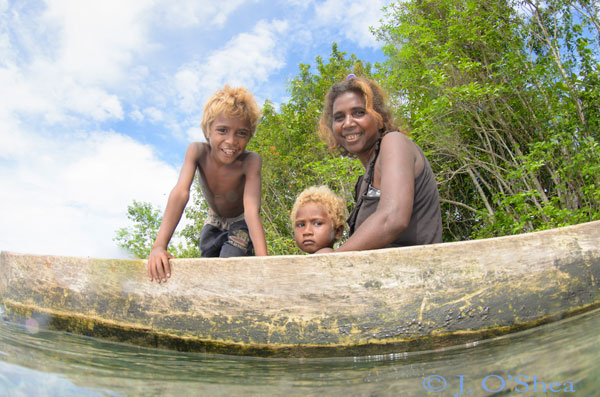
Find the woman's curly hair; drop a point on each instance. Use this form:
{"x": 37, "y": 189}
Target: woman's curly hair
{"x": 375, "y": 104}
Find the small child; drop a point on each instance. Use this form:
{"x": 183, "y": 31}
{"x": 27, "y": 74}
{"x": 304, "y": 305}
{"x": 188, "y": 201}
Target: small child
{"x": 318, "y": 219}
{"x": 230, "y": 178}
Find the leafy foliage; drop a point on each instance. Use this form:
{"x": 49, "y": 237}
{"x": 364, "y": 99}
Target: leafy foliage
{"x": 502, "y": 95}
{"x": 139, "y": 238}
{"x": 293, "y": 157}
{"x": 504, "y": 98}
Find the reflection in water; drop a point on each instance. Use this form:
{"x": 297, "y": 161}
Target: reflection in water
{"x": 563, "y": 356}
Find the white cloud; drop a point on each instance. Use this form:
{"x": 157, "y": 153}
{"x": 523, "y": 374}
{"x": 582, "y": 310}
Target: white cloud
{"x": 155, "y": 115}
{"x": 301, "y": 4}
{"x": 72, "y": 69}
{"x": 187, "y": 85}
{"x": 97, "y": 40}
{"x": 186, "y": 13}
{"x": 93, "y": 102}
{"x": 12, "y": 142}
{"x": 44, "y": 91}
{"x": 69, "y": 195}
{"x": 353, "y": 18}
{"x": 5, "y": 48}
{"x": 61, "y": 63}
{"x": 248, "y": 59}
{"x": 136, "y": 114}
{"x": 21, "y": 97}
{"x": 195, "y": 134}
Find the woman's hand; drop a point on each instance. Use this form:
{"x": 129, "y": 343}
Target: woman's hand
{"x": 325, "y": 250}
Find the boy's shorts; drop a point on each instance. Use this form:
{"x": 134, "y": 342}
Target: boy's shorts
{"x": 225, "y": 237}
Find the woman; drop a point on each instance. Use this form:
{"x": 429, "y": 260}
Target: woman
{"x": 396, "y": 200}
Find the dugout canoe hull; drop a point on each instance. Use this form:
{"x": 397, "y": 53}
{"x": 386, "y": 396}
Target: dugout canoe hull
{"x": 371, "y": 302}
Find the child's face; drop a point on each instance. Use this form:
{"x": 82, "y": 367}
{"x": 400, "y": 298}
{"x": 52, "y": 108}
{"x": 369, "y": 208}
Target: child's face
{"x": 313, "y": 228}
{"x": 228, "y": 138}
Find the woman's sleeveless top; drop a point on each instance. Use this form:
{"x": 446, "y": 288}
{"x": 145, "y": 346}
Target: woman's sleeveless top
{"x": 425, "y": 225}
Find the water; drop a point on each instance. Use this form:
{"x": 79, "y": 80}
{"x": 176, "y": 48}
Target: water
{"x": 43, "y": 363}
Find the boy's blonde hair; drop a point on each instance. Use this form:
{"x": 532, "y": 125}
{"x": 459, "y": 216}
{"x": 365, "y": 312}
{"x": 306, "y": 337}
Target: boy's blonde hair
{"x": 334, "y": 205}
{"x": 231, "y": 102}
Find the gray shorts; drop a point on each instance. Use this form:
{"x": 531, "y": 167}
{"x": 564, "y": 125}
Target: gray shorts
{"x": 225, "y": 237}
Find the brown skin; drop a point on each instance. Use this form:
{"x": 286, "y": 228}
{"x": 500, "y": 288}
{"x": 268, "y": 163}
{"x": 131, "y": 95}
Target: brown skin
{"x": 313, "y": 229}
{"x": 230, "y": 179}
{"x": 397, "y": 165}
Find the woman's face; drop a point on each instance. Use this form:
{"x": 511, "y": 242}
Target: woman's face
{"x": 353, "y": 127}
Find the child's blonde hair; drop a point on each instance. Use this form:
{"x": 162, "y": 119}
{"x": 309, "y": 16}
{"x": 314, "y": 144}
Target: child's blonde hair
{"x": 334, "y": 205}
{"x": 231, "y": 102}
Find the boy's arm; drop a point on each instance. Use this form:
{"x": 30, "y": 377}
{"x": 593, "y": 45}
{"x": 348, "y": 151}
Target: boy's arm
{"x": 252, "y": 196}
{"x": 158, "y": 261}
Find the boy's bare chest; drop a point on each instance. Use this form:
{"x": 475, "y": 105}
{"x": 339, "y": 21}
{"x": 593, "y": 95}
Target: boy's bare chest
{"x": 225, "y": 183}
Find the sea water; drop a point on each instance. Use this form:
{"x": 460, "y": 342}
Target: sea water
{"x": 558, "y": 359}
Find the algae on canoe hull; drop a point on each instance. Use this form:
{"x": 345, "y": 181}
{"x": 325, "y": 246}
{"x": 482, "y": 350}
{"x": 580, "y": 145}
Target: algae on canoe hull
{"x": 370, "y": 302}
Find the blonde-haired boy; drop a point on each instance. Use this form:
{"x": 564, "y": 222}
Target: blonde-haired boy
{"x": 230, "y": 179}
{"x": 318, "y": 218}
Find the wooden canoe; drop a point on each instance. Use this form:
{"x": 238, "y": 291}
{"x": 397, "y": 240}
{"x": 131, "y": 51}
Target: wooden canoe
{"x": 370, "y": 302}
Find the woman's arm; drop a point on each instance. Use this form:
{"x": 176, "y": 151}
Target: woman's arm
{"x": 395, "y": 172}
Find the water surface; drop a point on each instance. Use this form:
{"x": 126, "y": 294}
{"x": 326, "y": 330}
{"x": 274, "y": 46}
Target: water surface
{"x": 561, "y": 358}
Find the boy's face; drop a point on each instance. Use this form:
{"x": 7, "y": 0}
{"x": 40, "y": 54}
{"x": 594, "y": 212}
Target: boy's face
{"x": 228, "y": 138}
{"x": 313, "y": 228}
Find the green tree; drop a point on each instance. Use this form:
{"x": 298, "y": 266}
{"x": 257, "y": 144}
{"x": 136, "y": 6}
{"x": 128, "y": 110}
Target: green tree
{"x": 293, "y": 157}
{"x": 139, "y": 238}
{"x": 503, "y": 96}
{"x": 504, "y": 99}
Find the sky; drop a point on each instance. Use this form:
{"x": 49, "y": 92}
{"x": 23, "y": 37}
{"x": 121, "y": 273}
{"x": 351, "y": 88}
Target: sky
{"x": 99, "y": 99}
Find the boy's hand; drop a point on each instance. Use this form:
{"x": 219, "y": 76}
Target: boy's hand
{"x": 158, "y": 265}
